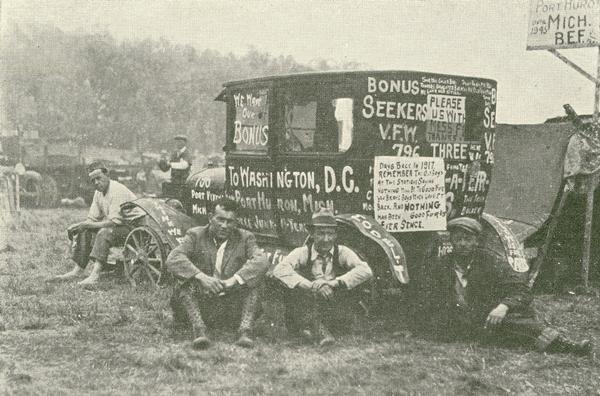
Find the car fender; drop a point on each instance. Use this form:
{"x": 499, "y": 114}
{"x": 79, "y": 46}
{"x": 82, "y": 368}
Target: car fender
{"x": 510, "y": 246}
{"x": 31, "y": 175}
{"x": 368, "y": 227}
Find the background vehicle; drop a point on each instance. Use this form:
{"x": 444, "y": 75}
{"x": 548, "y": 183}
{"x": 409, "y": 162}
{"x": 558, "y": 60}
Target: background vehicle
{"x": 56, "y": 169}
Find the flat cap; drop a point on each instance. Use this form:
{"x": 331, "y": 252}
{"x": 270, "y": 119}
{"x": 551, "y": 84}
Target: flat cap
{"x": 466, "y": 223}
{"x": 181, "y": 137}
{"x": 323, "y": 218}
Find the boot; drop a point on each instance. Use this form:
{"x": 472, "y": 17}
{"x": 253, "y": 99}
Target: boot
{"x": 74, "y": 273}
{"x": 565, "y": 345}
{"x": 92, "y": 279}
{"x": 247, "y": 319}
{"x": 552, "y": 341}
{"x": 190, "y": 306}
{"x": 244, "y": 339}
{"x": 323, "y": 334}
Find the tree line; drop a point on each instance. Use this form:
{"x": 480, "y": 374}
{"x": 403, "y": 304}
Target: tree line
{"x": 94, "y": 90}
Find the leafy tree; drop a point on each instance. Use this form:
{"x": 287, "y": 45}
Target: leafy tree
{"x": 137, "y": 95}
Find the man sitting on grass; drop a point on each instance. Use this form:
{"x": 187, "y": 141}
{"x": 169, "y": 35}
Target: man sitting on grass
{"x": 219, "y": 269}
{"x": 320, "y": 278}
{"x": 103, "y": 228}
{"x": 473, "y": 293}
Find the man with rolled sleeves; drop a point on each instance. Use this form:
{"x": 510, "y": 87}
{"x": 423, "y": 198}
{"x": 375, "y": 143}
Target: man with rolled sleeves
{"x": 104, "y": 227}
{"x": 476, "y": 294}
{"x": 321, "y": 279}
{"x": 219, "y": 269}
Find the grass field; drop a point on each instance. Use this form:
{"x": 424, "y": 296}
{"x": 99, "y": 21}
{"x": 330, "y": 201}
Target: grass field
{"x": 61, "y": 339}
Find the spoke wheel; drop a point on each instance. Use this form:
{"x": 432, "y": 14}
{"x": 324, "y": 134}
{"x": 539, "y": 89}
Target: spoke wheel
{"x": 31, "y": 193}
{"x": 50, "y": 193}
{"x": 144, "y": 257}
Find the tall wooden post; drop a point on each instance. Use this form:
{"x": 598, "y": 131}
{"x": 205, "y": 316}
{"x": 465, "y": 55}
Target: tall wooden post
{"x": 592, "y": 182}
{"x": 587, "y": 238}
{"x": 5, "y": 211}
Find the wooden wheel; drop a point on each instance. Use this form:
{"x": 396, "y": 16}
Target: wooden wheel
{"x": 144, "y": 257}
{"x": 31, "y": 193}
{"x": 49, "y": 192}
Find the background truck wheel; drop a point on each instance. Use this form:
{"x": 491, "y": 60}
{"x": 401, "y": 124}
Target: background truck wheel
{"x": 50, "y": 196}
{"x": 31, "y": 192}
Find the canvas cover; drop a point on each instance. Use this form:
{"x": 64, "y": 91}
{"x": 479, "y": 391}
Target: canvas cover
{"x": 583, "y": 152}
{"x": 527, "y": 174}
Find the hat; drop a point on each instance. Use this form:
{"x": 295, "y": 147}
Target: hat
{"x": 466, "y": 223}
{"x": 323, "y": 218}
{"x": 96, "y": 165}
{"x": 181, "y": 137}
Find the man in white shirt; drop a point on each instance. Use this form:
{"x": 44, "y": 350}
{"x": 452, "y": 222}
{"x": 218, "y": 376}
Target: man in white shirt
{"x": 321, "y": 278}
{"x": 219, "y": 268}
{"x": 104, "y": 227}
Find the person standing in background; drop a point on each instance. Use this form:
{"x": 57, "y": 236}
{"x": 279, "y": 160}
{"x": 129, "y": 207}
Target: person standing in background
{"x": 181, "y": 161}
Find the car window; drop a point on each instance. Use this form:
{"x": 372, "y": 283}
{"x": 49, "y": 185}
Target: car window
{"x": 316, "y": 124}
{"x": 345, "y": 123}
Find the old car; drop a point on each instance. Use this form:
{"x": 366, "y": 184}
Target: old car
{"x": 393, "y": 153}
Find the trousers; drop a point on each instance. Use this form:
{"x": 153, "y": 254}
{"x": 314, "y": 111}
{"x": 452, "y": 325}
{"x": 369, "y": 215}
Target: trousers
{"x": 303, "y": 307}
{"x": 516, "y": 328}
{"x": 95, "y": 244}
{"x": 235, "y": 309}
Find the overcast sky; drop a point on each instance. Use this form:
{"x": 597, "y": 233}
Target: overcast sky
{"x": 481, "y": 38}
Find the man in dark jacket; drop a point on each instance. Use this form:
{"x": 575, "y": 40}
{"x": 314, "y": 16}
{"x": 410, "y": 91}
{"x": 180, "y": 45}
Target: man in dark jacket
{"x": 219, "y": 268}
{"x": 181, "y": 161}
{"x": 474, "y": 293}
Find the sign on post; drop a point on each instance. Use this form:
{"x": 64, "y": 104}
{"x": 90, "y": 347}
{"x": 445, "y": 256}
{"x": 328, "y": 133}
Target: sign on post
{"x": 409, "y": 193}
{"x": 555, "y": 24}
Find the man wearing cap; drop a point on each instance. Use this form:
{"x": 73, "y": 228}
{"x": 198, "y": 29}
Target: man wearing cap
{"x": 181, "y": 161}
{"x": 103, "y": 228}
{"x": 219, "y": 269}
{"x": 320, "y": 279}
{"x": 475, "y": 293}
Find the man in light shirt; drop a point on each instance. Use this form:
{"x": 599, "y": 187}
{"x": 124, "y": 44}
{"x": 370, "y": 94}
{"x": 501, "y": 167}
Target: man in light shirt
{"x": 321, "y": 278}
{"x": 219, "y": 269}
{"x": 104, "y": 227}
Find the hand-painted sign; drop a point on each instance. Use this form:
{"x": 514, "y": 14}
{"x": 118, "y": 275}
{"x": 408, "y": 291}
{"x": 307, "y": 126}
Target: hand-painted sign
{"x": 557, "y": 24}
{"x": 251, "y": 124}
{"x": 409, "y": 193}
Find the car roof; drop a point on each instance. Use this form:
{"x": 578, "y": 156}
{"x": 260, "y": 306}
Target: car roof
{"x": 332, "y": 75}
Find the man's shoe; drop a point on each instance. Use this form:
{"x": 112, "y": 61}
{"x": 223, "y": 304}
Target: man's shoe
{"x": 327, "y": 341}
{"x": 200, "y": 341}
{"x": 245, "y": 341}
{"x": 325, "y": 337}
{"x": 306, "y": 335}
{"x": 583, "y": 348}
{"x": 565, "y": 345}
